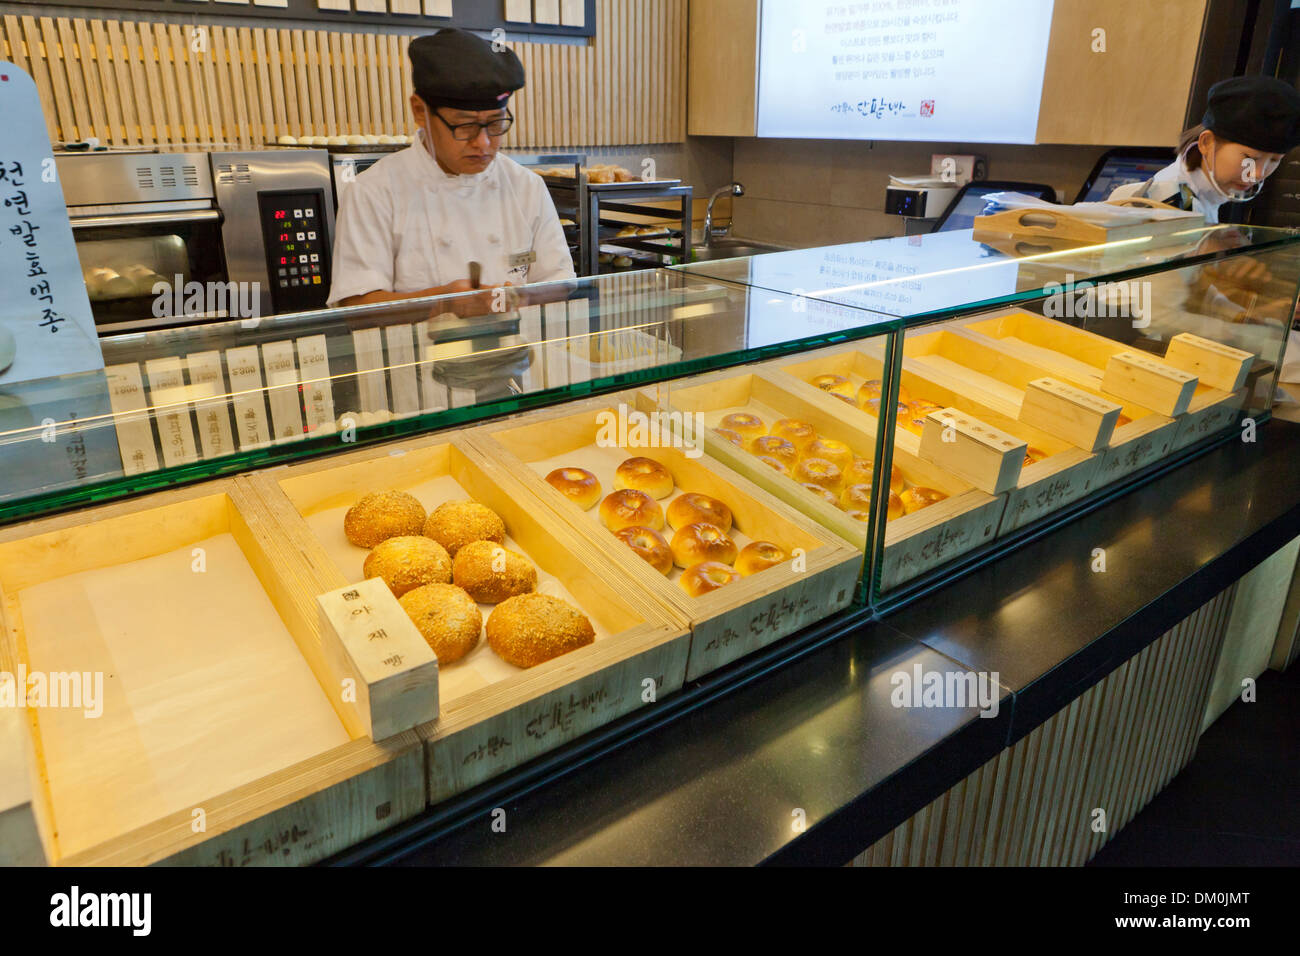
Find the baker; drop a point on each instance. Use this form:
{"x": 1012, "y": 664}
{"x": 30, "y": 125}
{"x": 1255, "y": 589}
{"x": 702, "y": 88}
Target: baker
{"x": 448, "y": 214}
{"x": 1250, "y": 123}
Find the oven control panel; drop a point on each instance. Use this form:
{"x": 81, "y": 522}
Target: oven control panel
{"x": 297, "y": 249}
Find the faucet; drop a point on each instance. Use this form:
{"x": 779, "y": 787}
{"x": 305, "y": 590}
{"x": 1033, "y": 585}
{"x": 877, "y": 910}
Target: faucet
{"x": 731, "y": 189}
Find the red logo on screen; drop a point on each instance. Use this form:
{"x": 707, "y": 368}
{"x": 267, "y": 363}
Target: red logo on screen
{"x": 927, "y": 107}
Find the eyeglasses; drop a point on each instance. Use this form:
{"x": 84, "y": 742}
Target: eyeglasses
{"x": 465, "y": 132}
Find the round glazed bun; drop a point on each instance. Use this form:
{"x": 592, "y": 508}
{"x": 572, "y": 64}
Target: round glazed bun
{"x": 407, "y": 563}
{"x": 648, "y": 545}
{"x": 828, "y": 449}
{"x": 729, "y": 436}
{"x": 772, "y": 463}
{"x": 534, "y": 628}
{"x": 644, "y": 474}
{"x": 456, "y": 523}
{"x": 759, "y": 556}
{"x": 875, "y": 389}
{"x": 914, "y": 499}
{"x": 490, "y": 573}
{"x": 692, "y": 508}
{"x": 858, "y": 498}
{"x": 835, "y": 384}
{"x": 773, "y": 446}
{"x": 577, "y": 484}
{"x": 872, "y": 407}
{"x": 382, "y": 515}
{"x": 746, "y": 426}
{"x": 825, "y": 494}
{"x": 914, "y": 420}
{"x": 861, "y": 471}
{"x": 800, "y": 434}
{"x": 630, "y": 508}
{"x": 446, "y": 617}
{"x": 818, "y": 471}
{"x": 701, "y": 542}
{"x": 1033, "y": 455}
{"x": 706, "y": 577}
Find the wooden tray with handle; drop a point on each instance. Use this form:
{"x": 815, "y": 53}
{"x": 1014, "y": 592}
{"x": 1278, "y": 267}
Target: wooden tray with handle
{"x": 1061, "y": 224}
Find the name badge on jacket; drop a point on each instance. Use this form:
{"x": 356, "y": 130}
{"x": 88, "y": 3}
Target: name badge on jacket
{"x": 521, "y": 260}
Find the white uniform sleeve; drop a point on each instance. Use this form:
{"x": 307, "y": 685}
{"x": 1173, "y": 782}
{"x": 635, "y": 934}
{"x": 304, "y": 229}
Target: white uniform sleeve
{"x": 554, "y": 261}
{"x": 363, "y": 244}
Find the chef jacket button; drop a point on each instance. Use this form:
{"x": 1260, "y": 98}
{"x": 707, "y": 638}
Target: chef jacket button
{"x": 494, "y": 239}
{"x": 444, "y": 241}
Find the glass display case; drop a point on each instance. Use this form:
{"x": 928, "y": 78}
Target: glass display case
{"x": 681, "y": 461}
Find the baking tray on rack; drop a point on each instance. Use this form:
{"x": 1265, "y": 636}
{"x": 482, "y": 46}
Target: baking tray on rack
{"x": 357, "y": 148}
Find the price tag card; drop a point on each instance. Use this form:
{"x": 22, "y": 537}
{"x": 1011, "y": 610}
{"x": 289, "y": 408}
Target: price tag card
{"x": 434, "y": 396}
{"x": 211, "y": 403}
{"x": 555, "y": 318}
{"x": 368, "y": 347}
{"x": 282, "y": 390}
{"x": 317, "y": 388}
{"x": 244, "y": 367}
{"x": 130, "y": 418}
{"x": 401, "y": 370}
{"x": 167, "y": 395}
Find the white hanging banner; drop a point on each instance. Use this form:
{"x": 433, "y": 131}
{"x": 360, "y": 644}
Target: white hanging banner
{"x": 401, "y": 370}
{"x": 247, "y": 397}
{"x": 282, "y": 390}
{"x": 317, "y": 389}
{"x": 46, "y": 326}
{"x": 208, "y": 385}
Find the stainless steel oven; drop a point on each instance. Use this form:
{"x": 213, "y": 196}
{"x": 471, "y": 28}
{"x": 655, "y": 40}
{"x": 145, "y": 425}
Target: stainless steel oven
{"x": 178, "y": 238}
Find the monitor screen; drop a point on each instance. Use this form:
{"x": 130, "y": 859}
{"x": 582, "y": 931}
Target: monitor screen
{"x": 1120, "y": 171}
{"x": 963, "y": 71}
{"x": 970, "y": 202}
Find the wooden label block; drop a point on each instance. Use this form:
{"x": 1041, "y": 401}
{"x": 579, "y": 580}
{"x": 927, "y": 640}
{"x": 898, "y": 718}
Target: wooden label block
{"x": 371, "y": 642}
{"x": 546, "y": 11}
{"x": 977, "y": 453}
{"x": 130, "y": 419}
{"x": 519, "y": 11}
{"x": 573, "y": 13}
{"x": 437, "y": 8}
{"x": 1084, "y": 420}
{"x": 1145, "y": 380}
{"x": 1215, "y": 364}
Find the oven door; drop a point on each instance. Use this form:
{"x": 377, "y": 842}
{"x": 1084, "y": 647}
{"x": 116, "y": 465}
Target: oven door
{"x": 149, "y": 266}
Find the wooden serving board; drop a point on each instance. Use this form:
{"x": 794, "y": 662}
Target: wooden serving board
{"x": 219, "y": 738}
{"x": 728, "y": 623}
{"x": 914, "y": 543}
{"x": 493, "y": 715}
{"x": 1060, "y": 224}
{"x": 1080, "y": 358}
{"x": 1063, "y": 476}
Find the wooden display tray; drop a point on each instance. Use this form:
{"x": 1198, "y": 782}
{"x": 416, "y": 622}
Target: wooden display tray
{"x": 494, "y": 716}
{"x": 1061, "y": 224}
{"x": 1080, "y": 357}
{"x": 914, "y": 543}
{"x": 1064, "y": 476}
{"x": 727, "y": 623}
{"x": 218, "y": 742}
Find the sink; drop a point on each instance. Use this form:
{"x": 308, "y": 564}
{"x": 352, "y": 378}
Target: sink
{"x": 732, "y": 249}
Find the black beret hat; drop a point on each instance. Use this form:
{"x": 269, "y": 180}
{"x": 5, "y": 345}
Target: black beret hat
{"x": 457, "y": 69}
{"x": 1261, "y": 112}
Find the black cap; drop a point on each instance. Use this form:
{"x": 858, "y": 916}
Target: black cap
{"x": 1260, "y": 112}
{"x": 457, "y": 69}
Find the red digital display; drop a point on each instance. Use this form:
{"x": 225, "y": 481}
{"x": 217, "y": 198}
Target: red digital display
{"x": 284, "y": 237}
{"x": 284, "y": 261}
{"x": 280, "y": 213}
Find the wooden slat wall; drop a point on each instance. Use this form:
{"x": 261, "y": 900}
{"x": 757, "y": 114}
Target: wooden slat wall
{"x": 136, "y": 82}
{"x": 1115, "y": 747}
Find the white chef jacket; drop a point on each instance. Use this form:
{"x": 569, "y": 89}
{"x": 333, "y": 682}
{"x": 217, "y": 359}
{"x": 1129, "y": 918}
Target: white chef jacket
{"x": 406, "y": 225}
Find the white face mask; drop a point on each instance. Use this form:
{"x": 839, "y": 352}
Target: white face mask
{"x": 1205, "y": 185}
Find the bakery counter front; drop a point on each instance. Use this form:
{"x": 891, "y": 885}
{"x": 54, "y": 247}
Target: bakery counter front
{"x": 468, "y": 540}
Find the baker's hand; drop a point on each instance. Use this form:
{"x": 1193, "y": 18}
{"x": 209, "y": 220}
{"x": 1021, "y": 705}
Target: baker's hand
{"x": 470, "y": 302}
